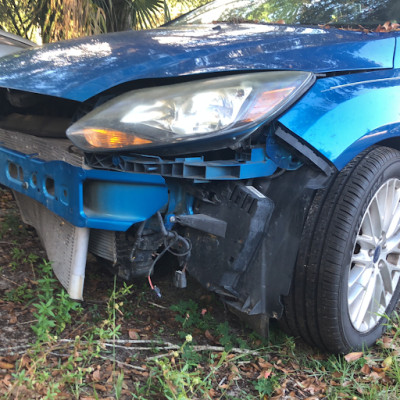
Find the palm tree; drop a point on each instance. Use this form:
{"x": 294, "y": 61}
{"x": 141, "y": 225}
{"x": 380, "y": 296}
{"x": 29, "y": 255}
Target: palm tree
{"x": 66, "y": 19}
{"x": 133, "y": 14}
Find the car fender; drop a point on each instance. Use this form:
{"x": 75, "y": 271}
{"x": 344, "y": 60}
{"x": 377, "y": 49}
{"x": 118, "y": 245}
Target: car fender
{"x": 343, "y": 115}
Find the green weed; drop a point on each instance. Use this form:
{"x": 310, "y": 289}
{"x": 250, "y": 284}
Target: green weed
{"x": 21, "y": 294}
{"x": 53, "y": 310}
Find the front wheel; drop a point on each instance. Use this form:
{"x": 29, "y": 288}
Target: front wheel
{"x": 347, "y": 274}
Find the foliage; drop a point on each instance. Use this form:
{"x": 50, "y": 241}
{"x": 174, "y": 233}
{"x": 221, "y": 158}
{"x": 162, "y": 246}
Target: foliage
{"x": 134, "y": 348}
{"x": 53, "y": 310}
{"x": 53, "y": 19}
{"x": 57, "y": 20}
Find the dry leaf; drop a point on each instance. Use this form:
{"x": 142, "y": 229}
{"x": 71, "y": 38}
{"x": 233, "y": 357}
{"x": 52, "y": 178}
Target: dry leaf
{"x": 5, "y": 365}
{"x": 96, "y": 375}
{"x": 264, "y": 364}
{"x": 353, "y": 356}
{"x": 133, "y": 334}
{"x": 375, "y": 375}
{"x": 102, "y": 388}
{"x": 209, "y": 336}
{"x": 264, "y": 374}
{"x": 387, "y": 342}
{"x": 366, "y": 370}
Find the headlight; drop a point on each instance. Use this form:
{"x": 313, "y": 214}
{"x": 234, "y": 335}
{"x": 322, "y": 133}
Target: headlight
{"x": 227, "y": 108}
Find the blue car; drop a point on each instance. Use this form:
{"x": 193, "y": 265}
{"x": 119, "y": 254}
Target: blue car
{"x": 258, "y": 141}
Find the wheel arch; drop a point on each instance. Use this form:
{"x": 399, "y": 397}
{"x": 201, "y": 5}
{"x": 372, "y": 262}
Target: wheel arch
{"x": 341, "y": 116}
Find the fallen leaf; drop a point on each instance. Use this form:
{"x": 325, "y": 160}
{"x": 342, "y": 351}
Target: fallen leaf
{"x": 7, "y": 380}
{"x": 235, "y": 369}
{"x": 265, "y": 364}
{"x": 209, "y": 336}
{"x": 353, "y": 356}
{"x": 133, "y": 334}
{"x": 96, "y": 375}
{"x": 337, "y": 374}
{"x": 264, "y": 374}
{"x": 366, "y": 370}
{"x": 375, "y": 375}
{"x": 102, "y": 388}
{"x": 5, "y": 365}
{"x": 387, "y": 362}
{"x": 387, "y": 342}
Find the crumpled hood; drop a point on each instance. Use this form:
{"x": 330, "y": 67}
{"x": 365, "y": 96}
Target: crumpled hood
{"x": 80, "y": 69}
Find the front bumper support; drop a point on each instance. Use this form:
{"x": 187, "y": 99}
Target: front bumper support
{"x": 84, "y": 197}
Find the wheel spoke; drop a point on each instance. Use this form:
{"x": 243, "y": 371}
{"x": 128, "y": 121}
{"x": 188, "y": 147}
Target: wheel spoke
{"x": 392, "y": 244}
{"x": 377, "y": 215}
{"x": 357, "y": 276}
{"x": 361, "y": 258}
{"x": 366, "y": 242}
{"x": 379, "y": 297}
{"x": 385, "y": 272}
{"x": 385, "y": 198}
{"x": 366, "y": 303}
{"x": 375, "y": 264}
{"x": 368, "y": 227}
{"x": 393, "y": 217}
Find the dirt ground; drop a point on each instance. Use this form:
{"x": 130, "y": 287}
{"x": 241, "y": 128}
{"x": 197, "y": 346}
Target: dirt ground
{"x": 145, "y": 316}
{"x": 184, "y": 345}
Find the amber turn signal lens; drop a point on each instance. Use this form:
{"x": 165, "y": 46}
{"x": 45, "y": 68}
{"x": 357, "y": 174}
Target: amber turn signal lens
{"x": 268, "y": 101}
{"x": 111, "y": 139}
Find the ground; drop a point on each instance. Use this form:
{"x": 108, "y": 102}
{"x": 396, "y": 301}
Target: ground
{"x": 124, "y": 342}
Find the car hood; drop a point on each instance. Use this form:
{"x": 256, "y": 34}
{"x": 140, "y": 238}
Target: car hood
{"x": 80, "y": 69}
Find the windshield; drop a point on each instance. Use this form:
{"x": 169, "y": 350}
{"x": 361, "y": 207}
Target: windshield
{"x": 367, "y": 13}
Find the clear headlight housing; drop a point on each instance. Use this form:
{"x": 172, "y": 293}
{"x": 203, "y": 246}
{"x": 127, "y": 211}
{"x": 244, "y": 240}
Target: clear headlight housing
{"x": 228, "y": 108}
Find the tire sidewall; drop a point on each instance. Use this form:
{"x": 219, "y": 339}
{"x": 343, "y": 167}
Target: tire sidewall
{"x": 354, "y": 338}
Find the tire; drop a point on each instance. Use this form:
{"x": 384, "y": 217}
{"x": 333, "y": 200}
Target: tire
{"x": 347, "y": 272}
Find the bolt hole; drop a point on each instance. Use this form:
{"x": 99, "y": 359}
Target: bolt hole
{"x": 50, "y": 187}
{"x": 13, "y": 170}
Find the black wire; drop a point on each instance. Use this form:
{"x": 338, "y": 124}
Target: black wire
{"x": 188, "y": 246}
{"x": 162, "y": 253}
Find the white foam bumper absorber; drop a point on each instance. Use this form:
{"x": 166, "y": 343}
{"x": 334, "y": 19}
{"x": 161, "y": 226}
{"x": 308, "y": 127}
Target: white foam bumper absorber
{"x": 66, "y": 245}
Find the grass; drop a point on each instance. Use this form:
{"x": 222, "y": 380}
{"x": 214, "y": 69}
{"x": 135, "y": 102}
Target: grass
{"x": 125, "y": 346}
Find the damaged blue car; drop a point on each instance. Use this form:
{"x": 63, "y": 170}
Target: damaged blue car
{"x": 258, "y": 141}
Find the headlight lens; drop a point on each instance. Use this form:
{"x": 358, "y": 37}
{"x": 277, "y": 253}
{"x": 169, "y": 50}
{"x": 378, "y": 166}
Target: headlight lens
{"x": 228, "y": 106}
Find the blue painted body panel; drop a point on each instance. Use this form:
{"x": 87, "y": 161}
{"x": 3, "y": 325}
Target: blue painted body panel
{"x": 341, "y": 116}
{"x": 80, "y": 69}
{"x": 396, "y": 63}
{"x": 86, "y": 198}
{"x": 257, "y": 165}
